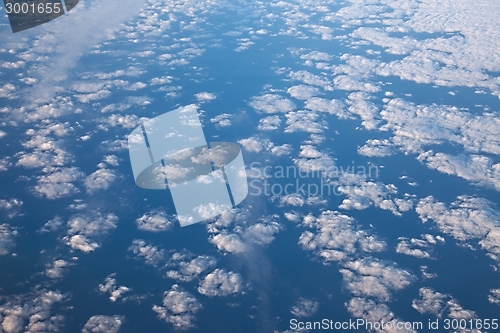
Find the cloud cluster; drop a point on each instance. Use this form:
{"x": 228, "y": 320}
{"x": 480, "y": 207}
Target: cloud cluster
{"x": 304, "y": 307}
{"x": 103, "y": 324}
{"x": 221, "y": 283}
{"x": 7, "y": 234}
{"x": 57, "y": 269}
{"x": 155, "y": 221}
{"x": 467, "y": 219}
{"x": 441, "y": 305}
{"x": 418, "y": 247}
{"x": 110, "y": 286}
{"x": 179, "y": 308}
{"x": 336, "y": 237}
{"x": 84, "y": 231}
{"x": 151, "y": 254}
{"x": 189, "y": 267}
{"x": 31, "y": 313}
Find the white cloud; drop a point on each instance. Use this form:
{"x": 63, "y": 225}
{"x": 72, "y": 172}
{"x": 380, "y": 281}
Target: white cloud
{"x": 221, "y": 283}
{"x": 179, "y": 308}
{"x": 57, "y": 269}
{"x": 304, "y": 307}
{"x": 152, "y": 255}
{"x": 303, "y": 92}
{"x": 373, "y": 312}
{"x": 7, "y": 234}
{"x": 466, "y": 219}
{"x": 377, "y": 148}
{"x": 254, "y": 144}
{"x": 222, "y": 120}
{"x": 110, "y": 286}
{"x": 270, "y": 123}
{"x": 103, "y": 324}
{"x": 441, "y": 305}
{"x": 100, "y": 179}
{"x": 154, "y": 221}
{"x": 271, "y": 103}
{"x": 371, "y": 277}
{"x": 337, "y": 237}
{"x": 494, "y": 296}
{"x": 58, "y": 182}
{"x": 31, "y": 312}
{"x": 83, "y": 229}
{"x": 229, "y": 243}
{"x": 205, "y": 96}
{"x": 334, "y": 107}
{"x": 189, "y": 268}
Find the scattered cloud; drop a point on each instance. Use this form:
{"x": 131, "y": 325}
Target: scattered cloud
{"x": 179, "y": 308}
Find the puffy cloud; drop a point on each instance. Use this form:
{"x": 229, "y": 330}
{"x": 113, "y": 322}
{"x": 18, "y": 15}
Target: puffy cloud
{"x": 334, "y": 107}
{"x": 377, "y": 148}
{"x": 254, "y": 144}
{"x": 151, "y": 254}
{"x": 31, "y": 312}
{"x": 229, "y": 243}
{"x": 361, "y": 194}
{"x": 205, "y": 96}
{"x": 371, "y": 277}
{"x": 7, "y": 234}
{"x": 304, "y": 121}
{"x": 466, "y": 219}
{"x": 179, "y": 308}
{"x": 222, "y": 120}
{"x": 188, "y": 266}
{"x": 376, "y": 313}
{"x": 154, "y": 221}
{"x": 110, "y": 286}
{"x": 83, "y": 229}
{"x": 221, "y": 283}
{"x": 417, "y": 247}
{"x": 304, "y": 307}
{"x": 270, "y": 123}
{"x": 57, "y": 269}
{"x": 100, "y": 179}
{"x": 311, "y": 79}
{"x": 10, "y": 207}
{"x": 494, "y": 296}
{"x": 337, "y": 237}
{"x": 441, "y": 305}
{"x": 303, "y": 92}
{"x": 58, "y": 182}
{"x": 103, "y": 324}
{"x": 271, "y": 103}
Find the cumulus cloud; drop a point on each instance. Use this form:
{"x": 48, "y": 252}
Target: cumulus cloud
{"x": 100, "y": 179}
{"x": 361, "y": 194}
{"x": 466, "y": 219}
{"x": 7, "y": 234}
{"x": 272, "y": 103}
{"x": 110, "y": 287}
{"x": 222, "y": 120}
{"x": 188, "y": 266}
{"x": 304, "y": 307}
{"x": 221, "y": 283}
{"x": 337, "y": 237}
{"x": 31, "y": 312}
{"x": 155, "y": 220}
{"x": 205, "y": 96}
{"x": 179, "y": 308}
{"x": 441, "y": 305}
{"x": 373, "y": 312}
{"x": 57, "y": 269}
{"x": 371, "y": 277}
{"x": 494, "y": 296}
{"x": 58, "y": 182}
{"x": 103, "y": 324}
{"x": 85, "y": 230}
{"x": 418, "y": 248}
{"x": 270, "y": 123}
{"x": 152, "y": 255}
{"x": 303, "y": 92}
